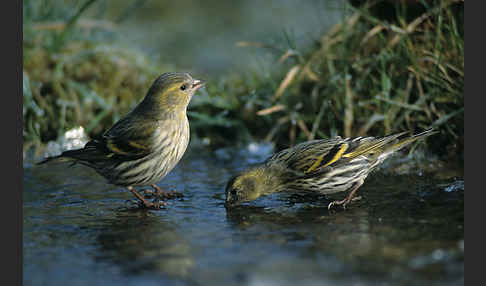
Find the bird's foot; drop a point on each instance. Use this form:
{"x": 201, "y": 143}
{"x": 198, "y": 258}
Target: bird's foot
{"x": 153, "y": 205}
{"x": 337, "y": 203}
{"x": 160, "y": 193}
{"x": 173, "y": 194}
{"x": 348, "y": 199}
{"x": 144, "y": 203}
{"x": 343, "y": 203}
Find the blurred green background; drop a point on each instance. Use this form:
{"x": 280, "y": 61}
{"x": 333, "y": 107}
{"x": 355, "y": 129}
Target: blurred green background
{"x": 201, "y": 36}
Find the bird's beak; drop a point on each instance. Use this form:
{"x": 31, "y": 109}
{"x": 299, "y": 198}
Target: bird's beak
{"x": 197, "y": 84}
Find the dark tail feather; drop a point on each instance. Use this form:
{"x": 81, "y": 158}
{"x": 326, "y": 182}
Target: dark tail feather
{"x": 92, "y": 154}
{"x": 58, "y": 159}
{"x": 404, "y": 142}
{"x": 74, "y": 156}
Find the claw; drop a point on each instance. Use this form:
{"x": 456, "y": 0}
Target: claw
{"x": 348, "y": 199}
{"x": 329, "y": 206}
{"x": 173, "y": 195}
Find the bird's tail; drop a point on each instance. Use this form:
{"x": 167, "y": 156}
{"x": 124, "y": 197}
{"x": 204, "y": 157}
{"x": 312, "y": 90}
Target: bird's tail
{"x": 397, "y": 145}
{"x": 72, "y": 156}
{"x": 92, "y": 154}
{"x": 59, "y": 158}
{"x": 382, "y": 147}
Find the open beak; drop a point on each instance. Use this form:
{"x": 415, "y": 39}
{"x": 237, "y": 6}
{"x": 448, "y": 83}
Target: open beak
{"x": 197, "y": 84}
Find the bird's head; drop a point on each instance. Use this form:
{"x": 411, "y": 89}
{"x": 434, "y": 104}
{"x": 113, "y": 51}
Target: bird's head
{"x": 172, "y": 91}
{"x": 247, "y": 186}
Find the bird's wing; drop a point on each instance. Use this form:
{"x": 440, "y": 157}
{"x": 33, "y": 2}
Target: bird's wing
{"x": 318, "y": 156}
{"x": 308, "y": 156}
{"x": 129, "y": 138}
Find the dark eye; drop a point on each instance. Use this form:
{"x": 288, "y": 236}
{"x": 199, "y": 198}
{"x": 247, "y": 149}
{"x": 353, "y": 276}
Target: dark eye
{"x": 233, "y": 192}
{"x": 183, "y": 87}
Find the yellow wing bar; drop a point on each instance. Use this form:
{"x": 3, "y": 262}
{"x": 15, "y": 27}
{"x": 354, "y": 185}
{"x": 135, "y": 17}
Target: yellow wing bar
{"x": 336, "y": 157}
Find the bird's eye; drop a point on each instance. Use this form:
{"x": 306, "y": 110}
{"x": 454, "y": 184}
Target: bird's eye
{"x": 183, "y": 87}
{"x": 233, "y": 192}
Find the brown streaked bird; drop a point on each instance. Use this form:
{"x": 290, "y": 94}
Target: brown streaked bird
{"x": 146, "y": 144}
{"x": 325, "y": 166}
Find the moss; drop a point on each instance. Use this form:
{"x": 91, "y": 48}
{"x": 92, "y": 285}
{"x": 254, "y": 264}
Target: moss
{"x": 84, "y": 84}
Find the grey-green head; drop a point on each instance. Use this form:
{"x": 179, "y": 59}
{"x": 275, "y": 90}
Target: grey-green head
{"x": 172, "y": 91}
{"x": 250, "y": 185}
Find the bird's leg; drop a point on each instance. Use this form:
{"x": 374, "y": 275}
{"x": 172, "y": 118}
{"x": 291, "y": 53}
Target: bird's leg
{"x": 348, "y": 198}
{"x": 143, "y": 201}
{"x": 166, "y": 195}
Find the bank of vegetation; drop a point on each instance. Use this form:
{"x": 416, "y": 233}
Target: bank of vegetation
{"x": 365, "y": 76}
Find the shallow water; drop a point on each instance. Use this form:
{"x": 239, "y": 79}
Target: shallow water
{"x": 405, "y": 230}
